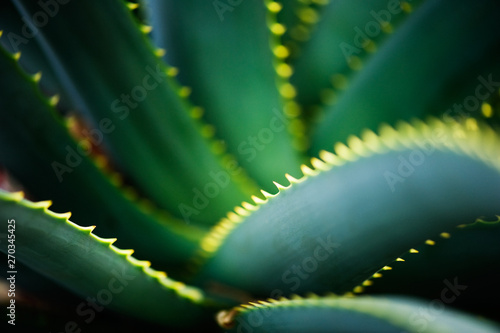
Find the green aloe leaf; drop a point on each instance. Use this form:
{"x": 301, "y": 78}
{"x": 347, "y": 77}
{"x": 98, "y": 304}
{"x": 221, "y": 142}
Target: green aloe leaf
{"x": 92, "y": 267}
{"x": 299, "y": 19}
{"x": 399, "y": 188}
{"x": 19, "y": 38}
{"x": 467, "y": 255}
{"x": 136, "y": 109}
{"x": 165, "y": 147}
{"x": 232, "y": 44}
{"x": 289, "y": 16}
{"x": 347, "y": 314}
{"x": 34, "y": 135}
{"x": 404, "y": 79}
{"x": 347, "y": 34}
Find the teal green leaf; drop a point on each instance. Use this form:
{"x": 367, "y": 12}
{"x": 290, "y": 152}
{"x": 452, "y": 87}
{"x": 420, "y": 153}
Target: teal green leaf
{"x": 299, "y": 19}
{"x": 467, "y": 254}
{"x": 346, "y": 36}
{"x": 33, "y": 134}
{"x": 358, "y": 211}
{"x": 347, "y": 314}
{"x": 92, "y": 267}
{"x": 19, "y": 38}
{"x": 233, "y": 46}
{"x": 137, "y": 109}
{"x": 371, "y": 126}
{"x": 431, "y": 63}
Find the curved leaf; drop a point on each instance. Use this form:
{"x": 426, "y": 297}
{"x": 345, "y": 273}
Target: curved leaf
{"x": 37, "y": 149}
{"x": 136, "y": 108}
{"x": 434, "y": 63}
{"x": 212, "y": 41}
{"x": 92, "y": 267}
{"x": 359, "y": 314}
{"x": 467, "y": 255}
{"x": 348, "y": 32}
{"x": 359, "y": 211}
{"x": 19, "y": 38}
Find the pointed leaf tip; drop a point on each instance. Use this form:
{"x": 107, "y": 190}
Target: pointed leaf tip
{"x": 140, "y": 263}
{"x": 330, "y": 158}
{"x": 146, "y": 29}
{"x": 248, "y": 206}
{"x": 344, "y": 152}
{"x": 64, "y": 216}
{"x": 54, "y": 100}
{"x": 258, "y": 200}
{"x": 132, "y": 6}
{"x": 279, "y": 186}
{"x": 319, "y": 164}
{"x": 37, "y": 77}
{"x": 43, "y": 204}
{"x": 307, "y": 171}
{"x": 233, "y": 217}
{"x": 291, "y": 179}
{"x": 17, "y": 196}
{"x": 160, "y": 52}
{"x": 109, "y": 241}
{"x": 89, "y": 228}
{"x": 267, "y": 195}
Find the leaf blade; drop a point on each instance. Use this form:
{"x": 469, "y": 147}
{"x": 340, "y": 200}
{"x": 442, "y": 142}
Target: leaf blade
{"x": 357, "y": 221}
{"x": 125, "y": 83}
{"x": 420, "y": 71}
{"x": 231, "y": 45}
{"x": 358, "y": 314}
{"x": 37, "y": 149}
{"x": 91, "y": 266}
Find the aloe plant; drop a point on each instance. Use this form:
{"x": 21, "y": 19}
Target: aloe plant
{"x": 293, "y": 166}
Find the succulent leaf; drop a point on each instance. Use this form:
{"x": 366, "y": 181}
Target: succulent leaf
{"x": 125, "y": 95}
{"x": 33, "y": 61}
{"x": 299, "y": 19}
{"x": 56, "y": 247}
{"x": 348, "y": 314}
{"x": 34, "y": 134}
{"x": 347, "y": 35}
{"x": 168, "y": 158}
{"x": 429, "y": 177}
{"x": 467, "y": 254}
{"x": 233, "y": 45}
{"x": 402, "y": 81}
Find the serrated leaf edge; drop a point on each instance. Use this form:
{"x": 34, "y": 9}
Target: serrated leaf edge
{"x": 190, "y": 293}
{"x": 470, "y": 138}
